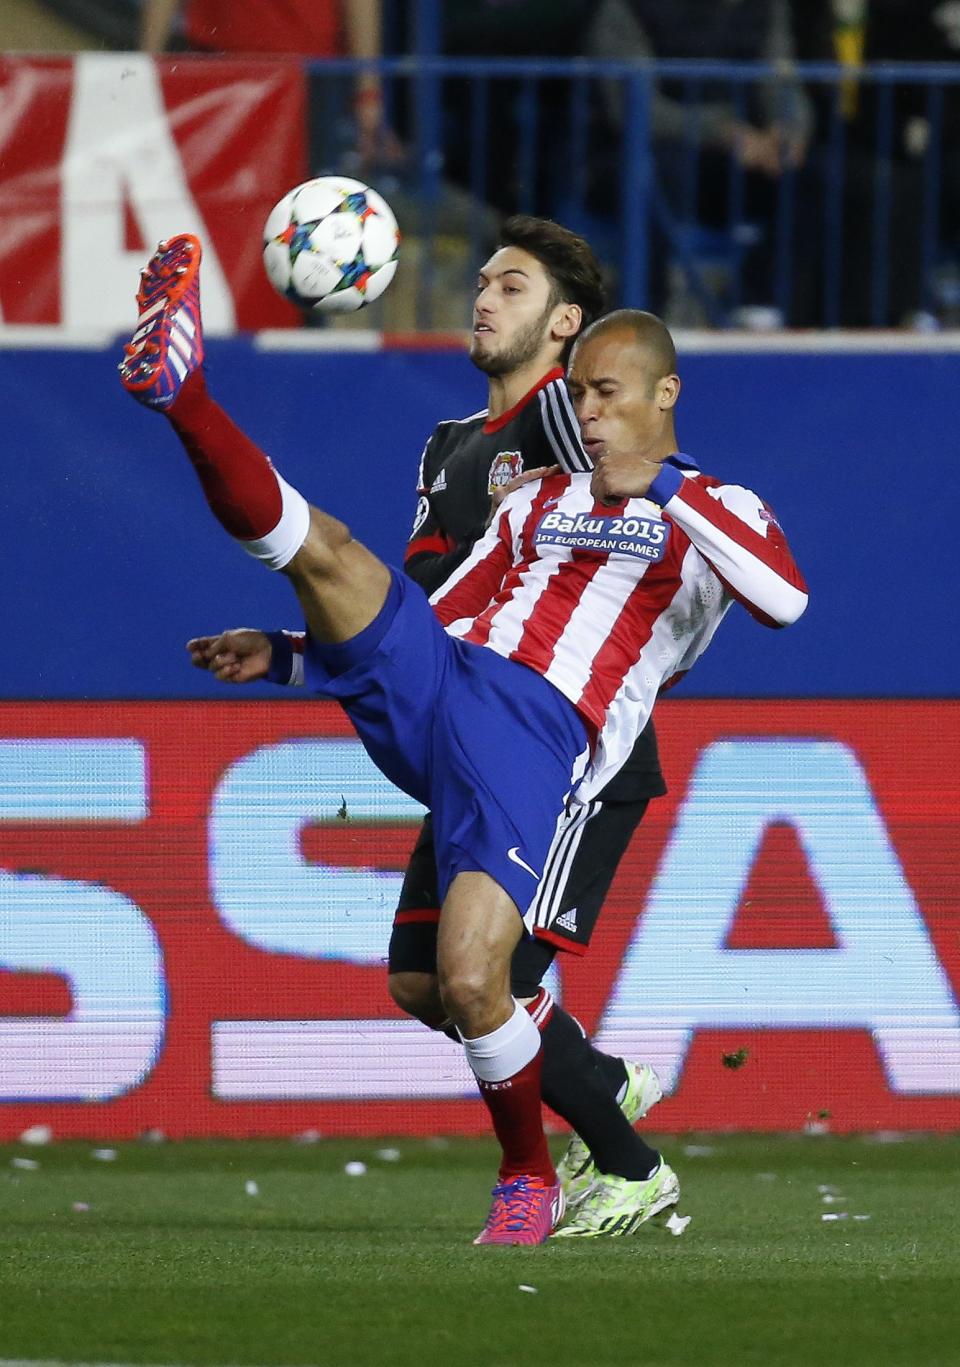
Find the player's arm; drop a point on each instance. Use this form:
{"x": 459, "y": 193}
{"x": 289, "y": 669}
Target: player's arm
{"x": 740, "y": 538}
{"x": 432, "y": 554}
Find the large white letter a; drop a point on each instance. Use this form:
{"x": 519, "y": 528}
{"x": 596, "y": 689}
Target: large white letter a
{"x": 884, "y": 977}
{"x": 120, "y": 148}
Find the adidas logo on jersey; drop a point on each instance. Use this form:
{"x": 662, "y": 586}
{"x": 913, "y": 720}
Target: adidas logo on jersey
{"x": 567, "y": 920}
{"x": 440, "y": 483}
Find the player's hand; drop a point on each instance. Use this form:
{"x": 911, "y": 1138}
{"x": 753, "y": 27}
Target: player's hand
{"x": 238, "y": 656}
{"x": 518, "y": 481}
{"x": 617, "y": 476}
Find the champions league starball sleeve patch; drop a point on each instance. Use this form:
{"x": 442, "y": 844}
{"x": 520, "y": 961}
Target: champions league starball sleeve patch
{"x": 641, "y": 537}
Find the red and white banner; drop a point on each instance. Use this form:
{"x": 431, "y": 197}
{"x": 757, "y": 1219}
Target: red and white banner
{"x": 195, "y": 901}
{"x": 104, "y": 154}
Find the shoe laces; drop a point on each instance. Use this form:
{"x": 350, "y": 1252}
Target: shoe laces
{"x": 514, "y": 1203}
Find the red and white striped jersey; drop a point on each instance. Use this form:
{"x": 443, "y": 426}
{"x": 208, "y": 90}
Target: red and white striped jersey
{"x": 612, "y": 603}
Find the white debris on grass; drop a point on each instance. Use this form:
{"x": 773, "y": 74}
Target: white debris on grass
{"x": 677, "y": 1223}
{"x": 37, "y": 1134}
{"x": 104, "y": 1155}
{"x": 863, "y": 1217}
{"x": 251, "y": 1187}
{"x": 829, "y": 1198}
{"x": 80, "y": 1206}
{"x": 355, "y": 1169}
{"x": 699, "y": 1150}
{"x": 825, "y": 1189}
{"x": 530, "y": 1290}
{"x": 816, "y": 1127}
{"x": 389, "y": 1155}
{"x": 834, "y": 1215}
{"x": 26, "y": 1164}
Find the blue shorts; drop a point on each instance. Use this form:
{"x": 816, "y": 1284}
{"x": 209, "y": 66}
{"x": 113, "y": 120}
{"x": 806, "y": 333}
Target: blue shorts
{"x": 487, "y": 744}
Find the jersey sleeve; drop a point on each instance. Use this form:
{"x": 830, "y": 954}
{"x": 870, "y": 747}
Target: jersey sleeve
{"x": 470, "y": 587}
{"x": 561, "y": 429}
{"x": 740, "y": 538}
{"x": 431, "y": 554}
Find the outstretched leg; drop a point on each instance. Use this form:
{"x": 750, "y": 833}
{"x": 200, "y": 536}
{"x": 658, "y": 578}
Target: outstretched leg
{"x": 341, "y": 585}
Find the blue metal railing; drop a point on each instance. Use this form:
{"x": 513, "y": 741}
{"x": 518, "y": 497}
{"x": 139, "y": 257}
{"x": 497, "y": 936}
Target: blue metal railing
{"x": 852, "y": 237}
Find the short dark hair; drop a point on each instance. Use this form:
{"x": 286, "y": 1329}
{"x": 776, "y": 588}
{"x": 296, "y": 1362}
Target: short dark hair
{"x": 650, "y": 333}
{"x": 574, "y": 272}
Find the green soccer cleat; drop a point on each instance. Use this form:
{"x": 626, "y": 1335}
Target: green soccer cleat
{"x": 617, "y": 1206}
{"x": 576, "y": 1170}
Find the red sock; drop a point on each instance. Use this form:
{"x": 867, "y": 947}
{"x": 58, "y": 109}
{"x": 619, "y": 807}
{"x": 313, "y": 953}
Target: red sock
{"x": 514, "y": 1107}
{"x": 237, "y": 478}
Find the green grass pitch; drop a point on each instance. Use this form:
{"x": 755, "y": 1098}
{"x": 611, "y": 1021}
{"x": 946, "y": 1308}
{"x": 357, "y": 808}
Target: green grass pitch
{"x": 174, "y": 1262}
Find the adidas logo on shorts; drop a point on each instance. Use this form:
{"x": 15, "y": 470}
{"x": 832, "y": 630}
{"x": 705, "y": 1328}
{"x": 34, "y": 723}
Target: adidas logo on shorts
{"x": 567, "y": 920}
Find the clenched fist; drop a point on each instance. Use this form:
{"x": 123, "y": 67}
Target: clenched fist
{"x": 238, "y": 656}
{"x": 617, "y": 476}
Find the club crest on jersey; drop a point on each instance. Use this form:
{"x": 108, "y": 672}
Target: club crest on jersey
{"x": 643, "y": 538}
{"x": 506, "y": 466}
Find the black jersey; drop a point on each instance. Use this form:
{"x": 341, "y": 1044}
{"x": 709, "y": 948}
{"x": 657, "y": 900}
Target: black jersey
{"x": 462, "y": 465}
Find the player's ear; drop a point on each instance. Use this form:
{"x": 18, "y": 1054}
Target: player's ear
{"x": 567, "y": 320}
{"x": 668, "y": 391}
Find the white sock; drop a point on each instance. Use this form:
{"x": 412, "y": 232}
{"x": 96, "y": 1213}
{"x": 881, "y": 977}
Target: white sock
{"x": 506, "y": 1050}
{"x": 278, "y": 547}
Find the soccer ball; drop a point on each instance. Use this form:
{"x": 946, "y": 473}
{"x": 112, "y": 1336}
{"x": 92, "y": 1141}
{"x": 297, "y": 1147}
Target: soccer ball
{"x": 331, "y": 244}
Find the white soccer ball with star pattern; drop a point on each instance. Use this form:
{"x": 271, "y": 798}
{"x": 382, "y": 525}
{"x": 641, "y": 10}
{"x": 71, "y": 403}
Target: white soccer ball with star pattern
{"x": 331, "y": 245}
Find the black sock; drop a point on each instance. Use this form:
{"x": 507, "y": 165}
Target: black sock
{"x": 580, "y": 1084}
{"x": 612, "y": 1071}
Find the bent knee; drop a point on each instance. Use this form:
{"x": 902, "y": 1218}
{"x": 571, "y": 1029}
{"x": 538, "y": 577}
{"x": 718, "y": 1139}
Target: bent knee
{"x": 468, "y": 994}
{"x": 418, "y": 995}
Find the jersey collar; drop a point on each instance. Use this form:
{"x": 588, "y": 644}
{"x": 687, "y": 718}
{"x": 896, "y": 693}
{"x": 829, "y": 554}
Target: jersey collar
{"x": 682, "y": 462}
{"x": 495, "y": 424}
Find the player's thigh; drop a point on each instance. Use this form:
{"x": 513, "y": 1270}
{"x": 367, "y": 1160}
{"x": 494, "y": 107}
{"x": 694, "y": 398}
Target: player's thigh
{"x": 479, "y": 930}
{"x": 341, "y": 585}
{"x": 413, "y": 939}
{"x": 390, "y": 681}
{"x": 412, "y": 955}
{"x": 583, "y": 861}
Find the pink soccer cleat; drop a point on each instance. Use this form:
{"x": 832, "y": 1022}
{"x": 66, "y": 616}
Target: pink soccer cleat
{"x": 524, "y": 1211}
{"x": 167, "y": 344}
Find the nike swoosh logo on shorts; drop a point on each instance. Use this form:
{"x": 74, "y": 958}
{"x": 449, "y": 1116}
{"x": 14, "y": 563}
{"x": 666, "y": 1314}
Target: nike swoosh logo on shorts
{"x": 514, "y": 854}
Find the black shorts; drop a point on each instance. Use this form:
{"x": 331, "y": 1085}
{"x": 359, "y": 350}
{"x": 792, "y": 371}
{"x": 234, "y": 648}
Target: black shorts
{"x": 582, "y": 863}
